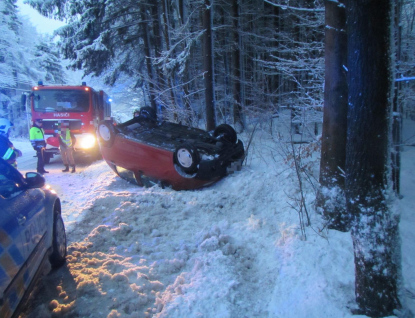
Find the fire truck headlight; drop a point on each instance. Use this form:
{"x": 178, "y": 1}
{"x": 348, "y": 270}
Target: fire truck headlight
{"x": 85, "y": 141}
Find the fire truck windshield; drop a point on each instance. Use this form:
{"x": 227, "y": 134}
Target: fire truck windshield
{"x": 55, "y": 100}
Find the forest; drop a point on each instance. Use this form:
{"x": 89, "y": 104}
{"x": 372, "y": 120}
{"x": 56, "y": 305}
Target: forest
{"x": 225, "y": 61}
{"x": 241, "y": 62}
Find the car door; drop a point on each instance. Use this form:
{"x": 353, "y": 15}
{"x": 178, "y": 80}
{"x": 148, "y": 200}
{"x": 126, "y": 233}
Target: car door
{"x": 22, "y": 237}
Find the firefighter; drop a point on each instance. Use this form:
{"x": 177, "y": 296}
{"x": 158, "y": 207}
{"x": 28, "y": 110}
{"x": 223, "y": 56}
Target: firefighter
{"x": 37, "y": 139}
{"x": 7, "y": 150}
{"x": 66, "y": 146}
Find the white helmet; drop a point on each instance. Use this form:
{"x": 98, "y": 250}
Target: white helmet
{"x": 5, "y": 125}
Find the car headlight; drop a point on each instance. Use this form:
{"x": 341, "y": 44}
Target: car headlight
{"x": 85, "y": 141}
{"x": 49, "y": 188}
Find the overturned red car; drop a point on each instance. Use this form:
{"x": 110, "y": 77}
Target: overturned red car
{"x": 146, "y": 151}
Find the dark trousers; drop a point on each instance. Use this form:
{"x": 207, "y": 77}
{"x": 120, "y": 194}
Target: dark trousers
{"x": 40, "y": 161}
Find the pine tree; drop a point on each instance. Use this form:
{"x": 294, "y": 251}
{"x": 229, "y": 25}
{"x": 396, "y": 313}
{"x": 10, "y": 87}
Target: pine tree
{"x": 49, "y": 61}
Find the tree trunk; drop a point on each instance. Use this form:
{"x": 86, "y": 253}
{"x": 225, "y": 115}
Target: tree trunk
{"x": 236, "y": 70}
{"x": 148, "y": 58}
{"x": 158, "y": 46}
{"x": 208, "y": 67}
{"x": 169, "y": 81}
{"x": 397, "y": 106}
{"x": 374, "y": 227}
{"x": 333, "y": 142}
{"x": 180, "y": 5}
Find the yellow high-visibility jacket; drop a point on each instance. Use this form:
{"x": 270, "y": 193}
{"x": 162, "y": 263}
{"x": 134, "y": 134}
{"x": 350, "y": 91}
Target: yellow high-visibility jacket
{"x": 37, "y": 137}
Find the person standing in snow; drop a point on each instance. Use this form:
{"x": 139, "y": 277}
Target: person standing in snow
{"x": 7, "y": 150}
{"x": 37, "y": 139}
{"x": 66, "y": 146}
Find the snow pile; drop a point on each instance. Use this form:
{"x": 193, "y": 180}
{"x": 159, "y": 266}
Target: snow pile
{"x": 233, "y": 249}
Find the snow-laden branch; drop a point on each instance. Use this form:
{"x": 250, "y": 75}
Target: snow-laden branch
{"x": 285, "y": 7}
{"x": 405, "y": 79}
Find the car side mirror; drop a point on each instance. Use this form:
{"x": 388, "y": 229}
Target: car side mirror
{"x": 35, "y": 180}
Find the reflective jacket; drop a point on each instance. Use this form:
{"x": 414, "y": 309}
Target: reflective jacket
{"x": 7, "y": 150}
{"x": 37, "y": 137}
{"x": 66, "y": 140}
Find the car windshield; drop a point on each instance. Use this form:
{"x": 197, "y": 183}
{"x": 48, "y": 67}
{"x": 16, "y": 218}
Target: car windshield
{"x": 55, "y": 100}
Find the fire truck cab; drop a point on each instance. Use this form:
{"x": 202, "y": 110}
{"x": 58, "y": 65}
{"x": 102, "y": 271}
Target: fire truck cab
{"x": 81, "y": 106}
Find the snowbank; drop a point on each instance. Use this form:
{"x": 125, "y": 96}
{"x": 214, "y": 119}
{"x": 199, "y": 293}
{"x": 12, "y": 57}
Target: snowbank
{"x": 233, "y": 249}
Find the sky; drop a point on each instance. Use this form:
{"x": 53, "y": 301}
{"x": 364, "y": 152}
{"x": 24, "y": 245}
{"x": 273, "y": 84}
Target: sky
{"x": 43, "y": 25}
{"x": 230, "y": 250}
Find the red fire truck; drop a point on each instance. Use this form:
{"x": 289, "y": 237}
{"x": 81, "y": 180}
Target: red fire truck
{"x": 81, "y": 106}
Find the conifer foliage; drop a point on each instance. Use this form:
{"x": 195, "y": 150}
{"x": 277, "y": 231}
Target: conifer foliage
{"x": 25, "y": 58}
{"x": 263, "y": 55}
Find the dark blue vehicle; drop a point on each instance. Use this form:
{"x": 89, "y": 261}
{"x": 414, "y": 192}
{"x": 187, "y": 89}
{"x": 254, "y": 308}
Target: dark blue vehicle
{"x": 32, "y": 235}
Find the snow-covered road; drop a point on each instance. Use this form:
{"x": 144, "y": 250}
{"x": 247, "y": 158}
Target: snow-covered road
{"x": 232, "y": 250}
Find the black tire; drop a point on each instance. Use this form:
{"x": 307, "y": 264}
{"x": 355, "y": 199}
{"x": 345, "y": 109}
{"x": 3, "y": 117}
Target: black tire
{"x": 148, "y": 113}
{"x": 187, "y": 158}
{"x": 106, "y": 133}
{"x": 226, "y": 133}
{"x": 58, "y": 256}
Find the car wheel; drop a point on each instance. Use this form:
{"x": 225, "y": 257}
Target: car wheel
{"x": 187, "y": 158}
{"x": 225, "y": 132}
{"x": 148, "y": 113}
{"x": 57, "y": 258}
{"x": 106, "y": 133}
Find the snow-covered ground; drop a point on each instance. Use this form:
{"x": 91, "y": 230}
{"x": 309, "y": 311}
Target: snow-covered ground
{"x": 230, "y": 250}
